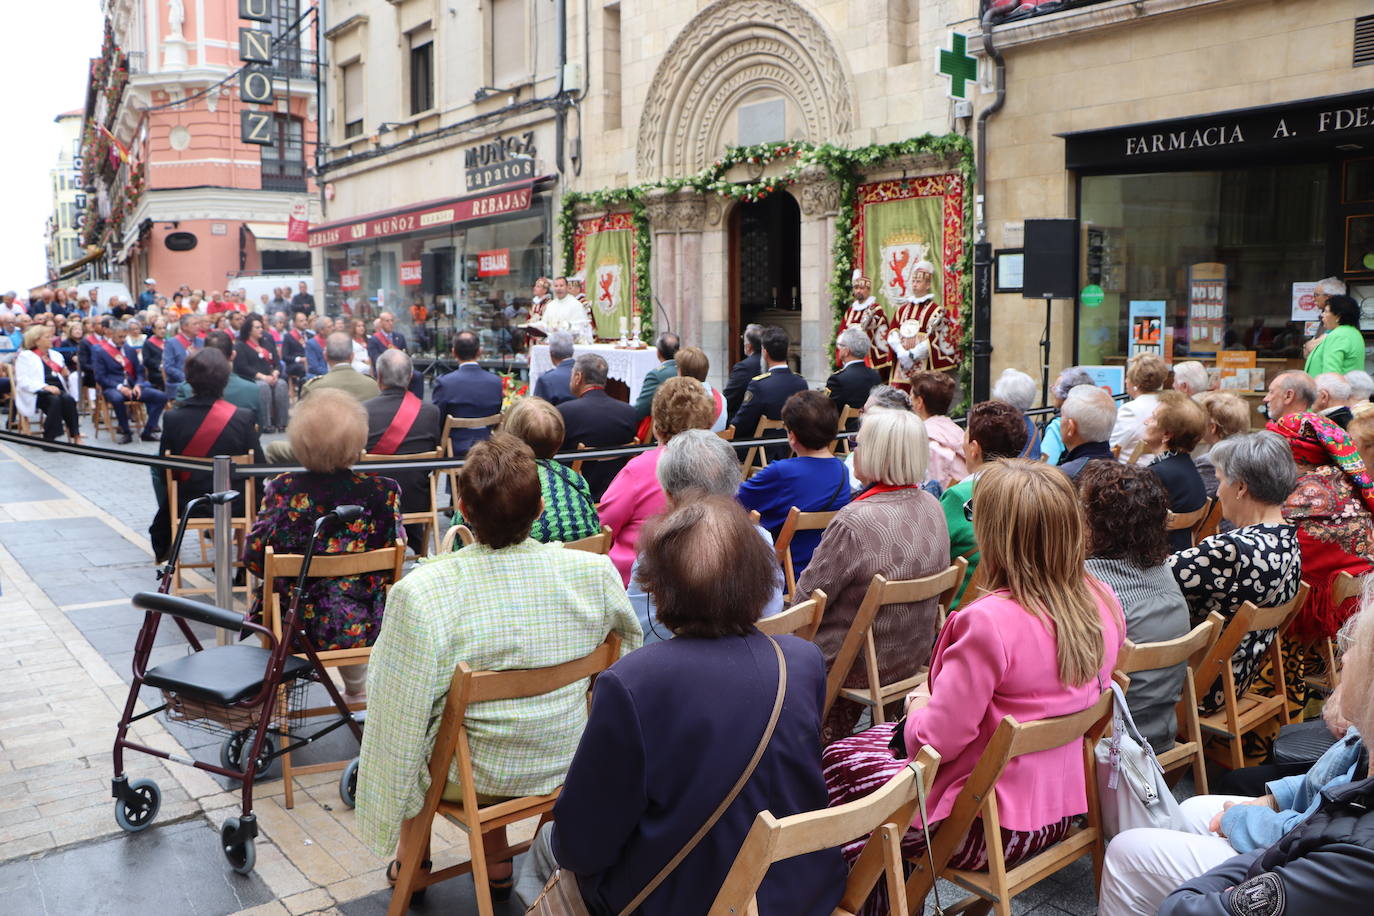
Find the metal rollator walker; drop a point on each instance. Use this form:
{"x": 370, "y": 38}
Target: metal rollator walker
{"x": 244, "y": 692}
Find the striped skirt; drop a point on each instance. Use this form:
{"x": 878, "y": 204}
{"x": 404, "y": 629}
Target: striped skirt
{"x": 858, "y": 765}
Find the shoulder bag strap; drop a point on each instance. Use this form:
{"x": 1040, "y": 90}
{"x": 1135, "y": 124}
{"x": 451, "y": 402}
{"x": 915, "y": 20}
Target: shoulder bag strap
{"x": 844, "y": 482}
{"x": 730, "y": 798}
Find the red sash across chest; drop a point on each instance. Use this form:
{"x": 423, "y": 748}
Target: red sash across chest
{"x": 116, "y": 353}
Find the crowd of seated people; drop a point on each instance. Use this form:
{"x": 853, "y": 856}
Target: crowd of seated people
{"x": 1071, "y": 554}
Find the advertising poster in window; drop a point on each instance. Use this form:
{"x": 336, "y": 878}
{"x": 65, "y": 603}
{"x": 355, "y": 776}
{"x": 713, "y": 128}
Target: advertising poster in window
{"x": 1147, "y": 326}
{"x": 1206, "y": 308}
{"x": 1111, "y": 379}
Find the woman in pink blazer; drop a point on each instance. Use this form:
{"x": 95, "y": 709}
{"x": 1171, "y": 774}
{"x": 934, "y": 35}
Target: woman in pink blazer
{"x": 635, "y": 495}
{"x": 1040, "y": 643}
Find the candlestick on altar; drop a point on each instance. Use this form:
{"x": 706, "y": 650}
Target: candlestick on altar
{"x": 636, "y": 328}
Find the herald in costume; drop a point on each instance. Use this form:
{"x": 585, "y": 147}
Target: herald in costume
{"x": 867, "y": 315}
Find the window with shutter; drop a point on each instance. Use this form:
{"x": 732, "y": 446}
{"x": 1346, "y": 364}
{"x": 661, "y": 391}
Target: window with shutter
{"x": 352, "y": 99}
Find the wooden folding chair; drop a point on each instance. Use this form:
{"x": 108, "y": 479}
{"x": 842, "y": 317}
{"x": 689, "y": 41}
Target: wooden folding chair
{"x": 845, "y": 446}
{"x": 757, "y": 452}
{"x": 469, "y": 687}
{"x": 1243, "y": 714}
{"x": 797, "y": 520}
{"x": 446, "y": 443}
{"x": 1192, "y": 521}
{"x": 1136, "y": 453}
{"x": 1210, "y": 522}
{"x": 578, "y": 463}
{"x": 457, "y": 533}
{"x": 1192, "y": 647}
{"x": 287, "y": 566}
{"x": 978, "y": 799}
{"x": 203, "y": 527}
{"x": 593, "y": 543}
{"x": 881, "y": 593}
{"x": 883, "y": 816}
{"x": 1344, "y": 587}
{"x": 800, "y": 619}
{"x": 427, "y": 517}
{"x": 728, "y": 434}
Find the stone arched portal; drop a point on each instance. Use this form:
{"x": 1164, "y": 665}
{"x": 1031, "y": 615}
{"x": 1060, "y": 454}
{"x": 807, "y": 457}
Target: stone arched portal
{"x": 731, "y": 50}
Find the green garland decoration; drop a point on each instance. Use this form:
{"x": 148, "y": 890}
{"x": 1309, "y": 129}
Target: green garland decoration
{"x": 844, "y": 166}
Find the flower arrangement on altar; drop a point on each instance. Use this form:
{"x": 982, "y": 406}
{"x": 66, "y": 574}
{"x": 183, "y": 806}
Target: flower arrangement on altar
{"x": 511, "y": 388}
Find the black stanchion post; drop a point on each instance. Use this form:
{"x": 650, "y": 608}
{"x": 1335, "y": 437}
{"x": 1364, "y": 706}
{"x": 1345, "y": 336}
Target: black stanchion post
{"x": 224, "y": 563}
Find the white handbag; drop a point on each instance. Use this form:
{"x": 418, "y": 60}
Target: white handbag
{"x": 1130, "y": 781}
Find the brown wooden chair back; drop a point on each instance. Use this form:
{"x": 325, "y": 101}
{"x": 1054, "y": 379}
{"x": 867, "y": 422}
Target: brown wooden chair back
{"x": 883, "y": 816}
{"x": 728, "y": 434}
{"x": 1210, "y": 523}
{"x": 457, "y": 533}
{"x": 452, "y": 744}
{"x": 1242, "y": 714}
{"x": 595, "y": 543}
{"x": 578, "y": 463}
{"x": 802, "y": 619}
{"x": 322, "y": 566}
{"x": 202, "y": 527}
{"x": 428, "y": 517}
{"x": 845, "y": 446}
{"x": 881, "y": 593}
{"x": 978, "y": 799}
{"x": 1192, "y": 521}
{"x": 1192, "y": 647}
{"x": 756, "y": 458}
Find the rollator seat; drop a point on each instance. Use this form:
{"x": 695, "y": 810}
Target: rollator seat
{"x": 223, "y": 675}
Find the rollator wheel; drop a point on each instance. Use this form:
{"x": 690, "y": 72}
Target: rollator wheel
{"x": 348, "y": 784}
{"x": 231, "y": 752}
{"x": 134, "y": 819}
{"x": 242, "y": 855}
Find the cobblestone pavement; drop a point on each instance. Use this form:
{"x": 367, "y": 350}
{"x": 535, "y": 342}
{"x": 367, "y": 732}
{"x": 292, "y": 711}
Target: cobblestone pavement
{"x": 73, "y": 549}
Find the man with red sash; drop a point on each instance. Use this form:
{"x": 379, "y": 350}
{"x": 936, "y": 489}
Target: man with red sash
{"x": 399, "y": 423}
{"x": 119, "y": 374}
{"x": 202, "y": 426}
{"x": 386, "y": 337}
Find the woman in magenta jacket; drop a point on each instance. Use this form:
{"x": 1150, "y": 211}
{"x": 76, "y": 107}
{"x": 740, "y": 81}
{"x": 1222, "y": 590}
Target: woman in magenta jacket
{"x": 1040, "y": 643}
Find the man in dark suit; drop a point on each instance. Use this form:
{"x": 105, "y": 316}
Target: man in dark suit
{"x": 207, "y": 372}
{"x": 768, "y": 391}
{"x": 850, "y": 386}
{"x": 315, "y": 363}
{"x": 554, "y": 385}
{"x": 742, "y": 372}
{"x": 399, "y": 423}
{"x": 118, "y": 373}
{"x": 303, "y": 301}
{"x": 386, "y": 337}
{"x": 595, "y": 419}
{"x": 468, "y": 392}
{"x": 667, "y": 346}
{"x": 293, "y": 344}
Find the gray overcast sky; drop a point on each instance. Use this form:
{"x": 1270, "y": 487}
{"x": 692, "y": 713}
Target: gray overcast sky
{"x": 45, "y": 48}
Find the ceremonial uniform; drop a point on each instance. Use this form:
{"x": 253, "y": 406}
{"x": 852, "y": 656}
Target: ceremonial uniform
{"x": 850, "y": 386}
{"x": 868, "y": 316}
{"x": 764, "y": 398}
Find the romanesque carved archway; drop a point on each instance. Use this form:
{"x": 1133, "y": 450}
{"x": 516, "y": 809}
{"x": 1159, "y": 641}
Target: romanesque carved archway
{"x": 730, "y": 49}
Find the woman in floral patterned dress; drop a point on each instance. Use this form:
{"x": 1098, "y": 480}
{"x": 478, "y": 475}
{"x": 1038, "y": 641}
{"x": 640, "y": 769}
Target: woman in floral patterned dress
{"x": 327, "y": 435}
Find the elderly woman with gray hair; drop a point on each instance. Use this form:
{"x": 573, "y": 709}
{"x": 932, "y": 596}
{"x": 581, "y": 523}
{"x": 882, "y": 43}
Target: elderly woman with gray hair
{"x": 695, "y": 464}
{"x": 1052, "y": 442}
{"x": 1260, "y": 560}
{"x": 1018, "y": 389}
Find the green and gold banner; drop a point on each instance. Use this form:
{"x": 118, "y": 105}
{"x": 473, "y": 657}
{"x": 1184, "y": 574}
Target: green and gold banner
{"x": 607, "y": 266}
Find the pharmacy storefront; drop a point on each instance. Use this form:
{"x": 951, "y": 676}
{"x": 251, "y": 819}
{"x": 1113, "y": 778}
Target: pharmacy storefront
{"x": 1205, "y": 235}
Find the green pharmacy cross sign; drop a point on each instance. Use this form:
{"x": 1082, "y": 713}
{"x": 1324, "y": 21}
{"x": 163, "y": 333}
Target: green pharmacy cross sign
{"x": 956, "y": 64}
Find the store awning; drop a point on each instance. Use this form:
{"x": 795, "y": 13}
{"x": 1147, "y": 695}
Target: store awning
{"x": 272, "y": 237}
{"x": 430, "y": 215}
{"x": 66, "y": 271}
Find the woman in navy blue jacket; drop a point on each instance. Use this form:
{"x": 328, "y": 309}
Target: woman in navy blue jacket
{"x": 674, "y": 724}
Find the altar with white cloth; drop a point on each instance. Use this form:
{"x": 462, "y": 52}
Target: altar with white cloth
{"x": 629, "y": 366}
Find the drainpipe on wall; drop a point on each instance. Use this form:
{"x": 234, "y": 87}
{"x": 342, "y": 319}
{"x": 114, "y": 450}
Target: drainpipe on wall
{"x": 560, "y": 108}
{"x": 982, "y": 248}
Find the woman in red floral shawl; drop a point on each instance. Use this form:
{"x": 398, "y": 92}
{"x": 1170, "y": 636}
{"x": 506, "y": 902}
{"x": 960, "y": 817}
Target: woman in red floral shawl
{"x": 1333, "y": 509}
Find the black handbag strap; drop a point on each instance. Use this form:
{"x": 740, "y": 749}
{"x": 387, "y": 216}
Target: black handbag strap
{"x": 844, "y": 482}
{"x": 729, "y": 798}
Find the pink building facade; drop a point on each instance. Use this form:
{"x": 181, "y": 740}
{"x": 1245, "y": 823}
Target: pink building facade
{"x": 172, "y": 191}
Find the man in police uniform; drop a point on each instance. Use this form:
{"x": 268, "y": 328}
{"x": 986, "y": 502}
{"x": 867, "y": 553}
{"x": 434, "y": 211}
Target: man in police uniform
{"x": 850, "y": 386}
{"x": 767, "y": 392}
{"x": 743, "y": 372}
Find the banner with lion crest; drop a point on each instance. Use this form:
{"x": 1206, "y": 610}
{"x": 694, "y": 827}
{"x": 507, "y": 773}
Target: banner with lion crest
{"x": 909, "y": 239}
{"x": 605, "y": 258}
